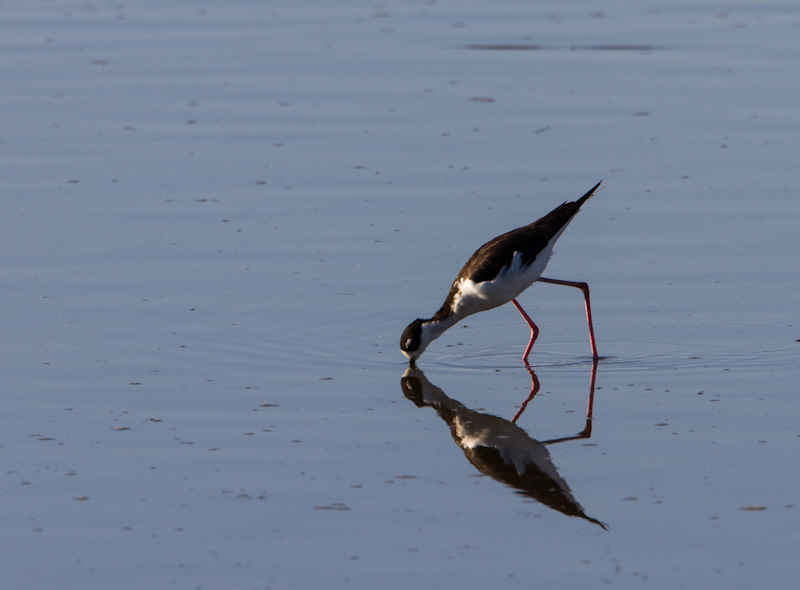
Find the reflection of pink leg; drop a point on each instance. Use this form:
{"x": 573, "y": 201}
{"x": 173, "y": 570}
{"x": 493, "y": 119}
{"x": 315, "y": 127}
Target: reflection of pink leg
{"x": 587, "y": 432}
{"x": 534, "y": 329}
{"x": 534, "y": 390}
{"x": 585, "y": 288}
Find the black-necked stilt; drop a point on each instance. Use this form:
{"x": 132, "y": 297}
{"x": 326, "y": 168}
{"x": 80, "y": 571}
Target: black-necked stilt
{"x": 497, "y": 273}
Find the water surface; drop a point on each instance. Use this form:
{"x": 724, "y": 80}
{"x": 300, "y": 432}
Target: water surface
{"x": 219, "y": 217}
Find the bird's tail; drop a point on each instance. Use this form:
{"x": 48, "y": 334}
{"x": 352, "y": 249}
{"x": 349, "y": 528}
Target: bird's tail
{"x": 585, "y": 197}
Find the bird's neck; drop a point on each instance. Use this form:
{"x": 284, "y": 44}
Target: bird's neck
{"x": 439, "y": 323}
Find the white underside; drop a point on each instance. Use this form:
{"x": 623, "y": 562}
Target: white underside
{"x": 509, "y": 284}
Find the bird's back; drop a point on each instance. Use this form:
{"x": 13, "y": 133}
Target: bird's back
{"x": 530, "y": 240}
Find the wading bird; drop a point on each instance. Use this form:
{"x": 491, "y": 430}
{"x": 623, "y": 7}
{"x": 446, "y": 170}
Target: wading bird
{"x": 497, "y": 273}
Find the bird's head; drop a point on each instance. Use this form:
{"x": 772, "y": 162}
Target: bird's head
{"x": 415, "y": 339}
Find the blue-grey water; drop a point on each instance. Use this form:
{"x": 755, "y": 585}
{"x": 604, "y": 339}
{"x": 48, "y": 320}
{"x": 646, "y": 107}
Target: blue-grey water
{"x": 218, "y": 217}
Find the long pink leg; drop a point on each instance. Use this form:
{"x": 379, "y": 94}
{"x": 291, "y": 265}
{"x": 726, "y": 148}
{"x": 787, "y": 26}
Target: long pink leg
{"x": 534, "y": 329}
{"x": 585, "y": 288}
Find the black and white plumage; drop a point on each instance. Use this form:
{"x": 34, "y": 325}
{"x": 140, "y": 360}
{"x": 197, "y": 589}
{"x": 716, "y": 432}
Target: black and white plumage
{"x": 498, "y": 272}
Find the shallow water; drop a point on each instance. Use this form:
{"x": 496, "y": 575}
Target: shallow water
{"x": 218, "y": 219}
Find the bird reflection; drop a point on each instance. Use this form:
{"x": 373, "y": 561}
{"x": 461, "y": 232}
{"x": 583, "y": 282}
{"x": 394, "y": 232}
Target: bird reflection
{"x": 499, "y": 448}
